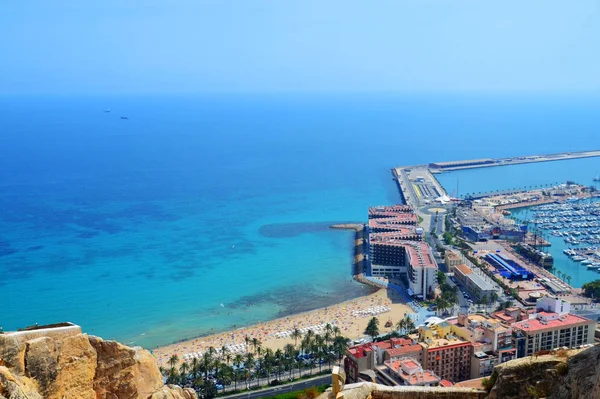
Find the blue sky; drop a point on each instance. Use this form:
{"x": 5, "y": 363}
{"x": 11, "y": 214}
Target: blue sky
{"x": 169, "y": 46}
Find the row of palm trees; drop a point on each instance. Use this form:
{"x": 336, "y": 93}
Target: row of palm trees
{"x": 405, "y": 325}
{"x": 221, "y": 368}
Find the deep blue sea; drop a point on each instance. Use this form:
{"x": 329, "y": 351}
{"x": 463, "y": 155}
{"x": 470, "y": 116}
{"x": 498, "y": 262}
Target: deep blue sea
{"x": 200, "y": 213}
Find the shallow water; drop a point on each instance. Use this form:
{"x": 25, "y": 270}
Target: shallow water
{"x": 140, "y": 229}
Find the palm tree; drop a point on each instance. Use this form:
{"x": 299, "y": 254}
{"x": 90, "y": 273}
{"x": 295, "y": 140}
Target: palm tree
{"x": 289, "y": 350}
{"x": 409, "y": 323}
{"x": 278, "y": 362}
{"x": 305, "y": 345}
{"x": 255, "y": 343}
{"x": 494, "y": 296}
{"x": 173, "y": 360}
{"x": 249, "y": 365}
{"x": 296, "y": 334}
{"x": 319, "y": 343}
{"x": 183, "y": 372}
{"x": 247, "y": 340}
{"x": 309, "y": 335}
{"x": 173, "y": 376}
{"x": 372, "y": 328}
{"x": 336, "y": 331}
{"x": 225, "y": 354}
{"x": 340, "y": 344}
{"x": 207, "y": 362}
{"x": 269, "y": 360}
{"x": 401, "y": 325}
{"x": 441, "y": 304}
{"x": 195, "y": 368}
{"x": 237, "y": 362}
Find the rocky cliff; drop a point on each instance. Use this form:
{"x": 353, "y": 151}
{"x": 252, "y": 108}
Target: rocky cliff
{"x": 62, "y": 362}
{"x": 563, "y": 374}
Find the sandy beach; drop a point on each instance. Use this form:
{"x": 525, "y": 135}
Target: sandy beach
{"x": 351, "y": 317}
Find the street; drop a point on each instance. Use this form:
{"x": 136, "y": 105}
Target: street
{"x": 296, "y": 386}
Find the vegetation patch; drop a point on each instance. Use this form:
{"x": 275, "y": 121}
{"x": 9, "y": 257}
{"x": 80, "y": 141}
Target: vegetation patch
{"x": 308, "y": 393}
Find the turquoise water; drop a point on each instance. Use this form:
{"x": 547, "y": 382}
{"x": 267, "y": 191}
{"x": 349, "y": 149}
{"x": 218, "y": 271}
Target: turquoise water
{"x": 199, "y": 214}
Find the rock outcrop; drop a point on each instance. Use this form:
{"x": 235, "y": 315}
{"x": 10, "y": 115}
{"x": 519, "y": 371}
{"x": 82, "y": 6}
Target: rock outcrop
{"x": 563, "y": 374}
{"x": 61, "y": 362}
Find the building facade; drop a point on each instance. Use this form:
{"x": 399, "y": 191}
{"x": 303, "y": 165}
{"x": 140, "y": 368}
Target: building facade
{"x": 445, "y": 354}
{"x": 551, "y": 330}
{"x": 474, "y": 283}
{"x": 452, "y": 259}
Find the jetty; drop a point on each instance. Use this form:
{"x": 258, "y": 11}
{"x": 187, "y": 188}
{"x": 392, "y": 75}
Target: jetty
{"x": 420, "y": 188}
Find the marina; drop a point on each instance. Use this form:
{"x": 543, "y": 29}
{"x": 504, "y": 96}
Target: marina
{"x": 578, "y": 224}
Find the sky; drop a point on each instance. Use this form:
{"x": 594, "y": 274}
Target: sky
{"x": 193, "y": 46}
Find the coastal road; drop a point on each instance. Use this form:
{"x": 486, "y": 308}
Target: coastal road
{"x": 296, "y": 386}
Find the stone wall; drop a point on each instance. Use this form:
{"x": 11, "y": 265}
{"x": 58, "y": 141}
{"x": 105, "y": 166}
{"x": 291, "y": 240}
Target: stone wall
{"x": 366, "y": 390}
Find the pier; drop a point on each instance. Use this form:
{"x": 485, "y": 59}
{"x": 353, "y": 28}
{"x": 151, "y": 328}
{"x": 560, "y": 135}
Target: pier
{"x": 419, "y": 187}
{"x": 439, "y": 167}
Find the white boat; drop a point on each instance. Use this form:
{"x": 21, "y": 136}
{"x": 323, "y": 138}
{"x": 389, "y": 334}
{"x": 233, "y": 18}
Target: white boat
{"x": 578, "y": 258}
{"x": 587, "y": 262}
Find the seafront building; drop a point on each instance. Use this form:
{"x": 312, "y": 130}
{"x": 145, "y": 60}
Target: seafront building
{"x": 552, "y": 327}
{"x": 395, "y": 248}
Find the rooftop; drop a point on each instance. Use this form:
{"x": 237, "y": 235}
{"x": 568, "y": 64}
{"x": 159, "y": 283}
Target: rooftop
{"x": 464, "y": 269}
{"x": 537, "y": 324}
{"x": 390, "y": 209}
{"x": 419, "y": 254}
{"x": 403, "y": 350}
{"x": 397, "y": 218}
{"x": 480, "y": 282}
{"x": 399, "y": 233}
{"x": 445, "y": 343}
{"x": 417, "y": 375}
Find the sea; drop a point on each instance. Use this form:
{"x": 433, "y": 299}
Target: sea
{"x": 205, "y": 213}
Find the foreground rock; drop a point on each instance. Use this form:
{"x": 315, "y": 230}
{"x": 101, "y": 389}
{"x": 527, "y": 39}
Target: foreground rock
{"x": 61, "y": 362}
{"x": 564, "y": 374}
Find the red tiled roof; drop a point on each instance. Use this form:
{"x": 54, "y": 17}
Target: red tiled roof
{"x": 445, "y": 383}
{"x": 404, "y": 349}
{"x": 383, "y": 344}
